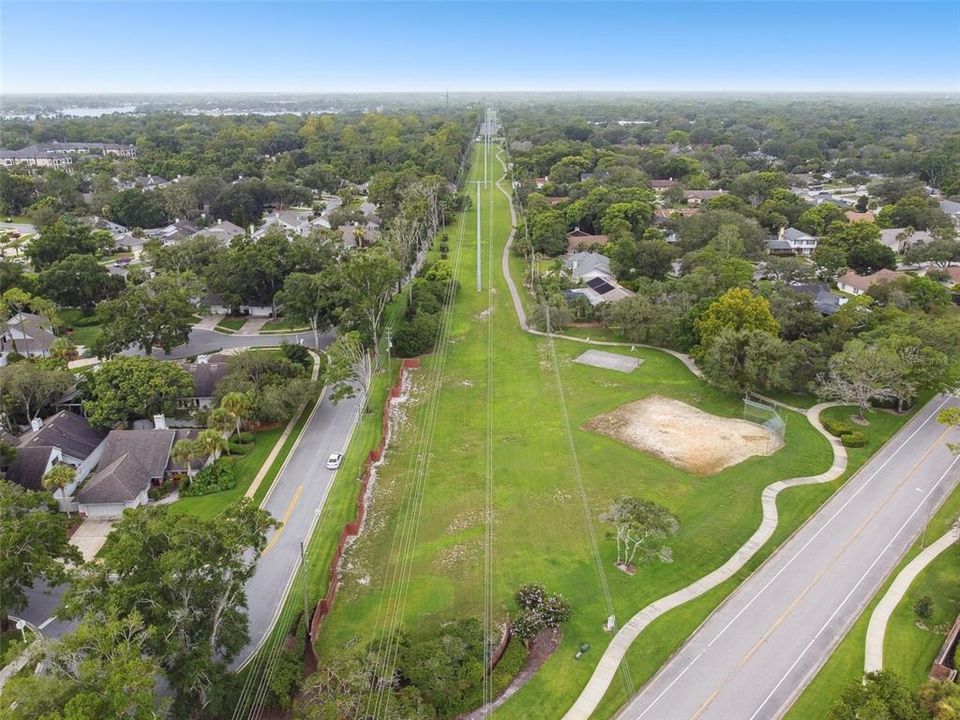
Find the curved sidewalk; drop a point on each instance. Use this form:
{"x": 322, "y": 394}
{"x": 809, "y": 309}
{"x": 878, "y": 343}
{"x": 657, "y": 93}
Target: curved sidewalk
{"x": 610, "y": 661}
{"x": 877, "y": 629}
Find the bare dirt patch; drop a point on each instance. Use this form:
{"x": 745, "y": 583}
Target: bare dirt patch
{"x": 690, "y": 439}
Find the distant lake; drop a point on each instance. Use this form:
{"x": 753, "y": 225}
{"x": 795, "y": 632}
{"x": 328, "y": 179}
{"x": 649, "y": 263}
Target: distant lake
{"x": 97, "y": 111}
{"x": 70, "y": 112}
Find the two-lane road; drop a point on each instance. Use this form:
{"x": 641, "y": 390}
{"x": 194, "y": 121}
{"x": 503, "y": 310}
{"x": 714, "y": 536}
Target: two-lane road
{"x": 762, "y": 646}
{"x": 296, "y": 498}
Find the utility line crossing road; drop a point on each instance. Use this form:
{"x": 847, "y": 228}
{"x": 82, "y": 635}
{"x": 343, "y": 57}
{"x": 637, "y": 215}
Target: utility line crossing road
{"x": 296, "y": 499}
{"x": 764, "y": 644}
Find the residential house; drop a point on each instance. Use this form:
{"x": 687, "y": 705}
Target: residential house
{"x": 698, "y": 197}
{"x": 857, "y": 284}
{"x": 579, "y": 240}
{"x": 598, "y": 283}
{"x": 62, "y": 438}
{"x": 27, "y": 334}
{"x": 661, "y": 185}
{"x": 222, "y": 230}
{"x": 791, "y": 241}
{"x": 206, "y": 372}
{"x": 541, "y": 181}
{"x": 601, "y": 290}
{"x": 299, "y": 222}
{"x": 131, "y": 462}
{"x": 952, "y": 272}
{"x": 177, "y": 230}
{"x": 854, "y": 216}
{"x": 661, "y": 215}
{"x": 216, "y": 305}
{"x": 585, "y": 266}
{"x": 824, "y": 301}
{"x": 95, "y": 222}
{"x": 357, "y": 234}
{"x": 951, "y": 208}
{"x": 899, "y": 240}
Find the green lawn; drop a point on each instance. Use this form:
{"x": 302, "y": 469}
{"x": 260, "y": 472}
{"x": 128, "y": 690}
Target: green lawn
{"x": 284, "y": 325}
{"x": 231, "y": 324}
{"x": 247, "y": 466}
{"x": 85, "y": 327}
{"x": 540, "y": 530}
{"x": 908, "y": 650}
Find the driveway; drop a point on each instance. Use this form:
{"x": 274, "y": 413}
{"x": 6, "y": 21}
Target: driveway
{"x": 756, "y": 653}
{"x": 91, "y": 535}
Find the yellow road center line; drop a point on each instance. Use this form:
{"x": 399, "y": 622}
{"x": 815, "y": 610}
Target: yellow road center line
{"x": 283, "y": 521}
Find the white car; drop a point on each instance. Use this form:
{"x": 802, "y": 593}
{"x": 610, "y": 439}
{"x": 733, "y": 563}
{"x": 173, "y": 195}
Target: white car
{"x": 333, "y": 462}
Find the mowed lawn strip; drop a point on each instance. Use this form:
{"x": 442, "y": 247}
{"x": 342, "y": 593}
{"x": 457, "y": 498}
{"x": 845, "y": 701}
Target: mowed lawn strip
{"x": 539, "y": 528}
{"x": 794, "y": 507}
{"x": 247, "y": 466}
{"x": 907, "y": 650}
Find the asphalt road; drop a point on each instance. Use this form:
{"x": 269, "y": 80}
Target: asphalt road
{"x": 296, "y": 499}
{"x": 757, "y": 652}
{"x": 328, "y": 427}
{"x": 210, "y": 341}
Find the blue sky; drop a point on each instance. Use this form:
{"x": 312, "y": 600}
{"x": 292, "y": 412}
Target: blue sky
{"x": 138, "y": 46}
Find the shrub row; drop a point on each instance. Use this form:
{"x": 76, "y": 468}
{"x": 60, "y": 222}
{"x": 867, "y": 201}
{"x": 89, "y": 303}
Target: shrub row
{"x": 214, "y": 478}
{"x": 853, "y": 439}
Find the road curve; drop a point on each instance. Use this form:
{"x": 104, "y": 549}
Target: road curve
{"x": 761, "y": 647}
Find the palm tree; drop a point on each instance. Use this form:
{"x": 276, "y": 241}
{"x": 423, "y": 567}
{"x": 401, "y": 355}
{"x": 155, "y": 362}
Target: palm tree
{"x": 212, "y": 442}
{"x": 184, "y": 452}
{"x": 58, "y": 477}
{"x": 238, "y": 406}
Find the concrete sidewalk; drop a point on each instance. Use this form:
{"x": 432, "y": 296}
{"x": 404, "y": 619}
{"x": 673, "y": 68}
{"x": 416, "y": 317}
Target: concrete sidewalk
{"x": 877, "y": 629}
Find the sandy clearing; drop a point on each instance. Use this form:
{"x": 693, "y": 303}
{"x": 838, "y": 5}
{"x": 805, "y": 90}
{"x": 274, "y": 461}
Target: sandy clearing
{"x": 684, "y": 436}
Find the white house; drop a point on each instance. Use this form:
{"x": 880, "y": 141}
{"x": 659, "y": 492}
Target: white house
{"x": 856, "y": 284}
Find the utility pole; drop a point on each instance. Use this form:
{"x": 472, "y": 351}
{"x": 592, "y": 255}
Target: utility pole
{"x": 478, "y": 237}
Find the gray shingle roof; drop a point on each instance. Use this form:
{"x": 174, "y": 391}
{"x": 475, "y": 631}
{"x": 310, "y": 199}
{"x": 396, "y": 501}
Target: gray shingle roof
{"x": 130, "y": 460}
{"x": 29, "y": 465}
{"x": 206, "y": 376}
{"x": 68, "y": 431}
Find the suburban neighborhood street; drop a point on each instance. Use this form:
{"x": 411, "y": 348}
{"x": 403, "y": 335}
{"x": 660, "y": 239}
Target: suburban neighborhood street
{"x": 296, "y": 499}
{"x": 762, "y": 646}
{"x": 211, "y": 341}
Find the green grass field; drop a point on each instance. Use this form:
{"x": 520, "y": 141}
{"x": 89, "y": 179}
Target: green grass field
{"x": 540, "y": 529}
{"x": 908, "y": 650}
{"x": 282, "y": 325}
{"x": 231, "y": 324}
{"x": 85, "y": 327}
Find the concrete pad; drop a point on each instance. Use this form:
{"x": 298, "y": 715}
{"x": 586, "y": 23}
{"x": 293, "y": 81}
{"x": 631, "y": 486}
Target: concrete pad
{"x": 91, "y": 535}
{"x": 609, "y": 361}
{"x": 208, "y": 323}
{"x": 253, "y": 326}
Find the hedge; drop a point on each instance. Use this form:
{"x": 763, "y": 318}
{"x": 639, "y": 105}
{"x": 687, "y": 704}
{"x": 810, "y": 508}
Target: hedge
{"x": 853, "y": 439}
{"x": 839, "y": 428}
{"x": 214, "y": 478}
